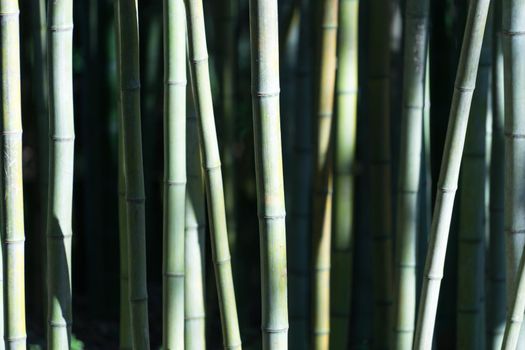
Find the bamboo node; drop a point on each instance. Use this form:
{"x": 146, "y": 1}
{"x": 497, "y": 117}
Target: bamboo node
{"x": 17, "y": 339}
{"x": 325, "y": 114}
{"x": 174, "y": 274}
{"x": 6, "y": 15}
{"x": 14, "y": 241}
{"x": 448, "y": 189}
{"x": 61, "y": 28}
{"x": 432, "y": 277}
{"x": 61, "y": 138}
{"x": 12, "y": 133}
{"x": 464, "y": 88}
{"x": 321, "y": 332}
{"x": 138, "y": 200}
{"x": 197, "y": 317}
{"x": 514, "y": 135}
{"x": 514, "y": 231}
{"x": 138, "y": 299}
{"x": 176, "y": 82}
{"x": 512, "y": 32}
{"x": 267, "y": 94}
{"x": 175, "y": 183}
{"x": 329, "y": 26}
{"x": 272, "y": 217}
{"x": 342, "y": 92}
{"x": 223, "y": 261}
{"x": 274, "y": 330}
{"x": 59, "y": 324}
{"x": 233, "y": 346}
{"x": 197, "y": 60}
{"x": 322, "y": 268}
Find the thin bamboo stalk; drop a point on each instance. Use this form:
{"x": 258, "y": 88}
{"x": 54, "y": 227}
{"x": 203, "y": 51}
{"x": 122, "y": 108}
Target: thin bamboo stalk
{"x": 345, "y": 148}
{"x": 269, "y": 172}
{"x": 414, "y": 70}
{"x": 200, "y": 79}
{"x": 448, "y": 177}
{"x": 516, "y": 310}
{"x": 174, "y": 173}
{"x": 133, "y": 171}
{"x": 61, "y": 155}
{"x": 12, "y": 206}
{"x": 323, "y": 174}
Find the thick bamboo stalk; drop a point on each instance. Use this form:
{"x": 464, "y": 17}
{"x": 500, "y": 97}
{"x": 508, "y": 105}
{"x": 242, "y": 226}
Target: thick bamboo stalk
{"x": 323, "y": 174}
{"x": 264, "y": 41}
{"x": 448, "y": 177}
{"x": 380, "y": 171}
{"x": 61, "y": 155}
{"x": 344, "y": 166}
{"x": 12, "y": 204}
{"x": 408, "y": 230}
{"x": 194, "y": 301}
{"x": 133, "y": 171}
{"x": 174, "y": 173}
{"x": 200, "y": 80}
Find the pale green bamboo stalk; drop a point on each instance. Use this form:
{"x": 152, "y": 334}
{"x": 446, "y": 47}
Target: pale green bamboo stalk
{"x": 496, "y": 288}
{"x": 516, "y": 309}
{"x": 133, "y": 171}
{"x": 200, "y": 81}
{"x": 264, "y": 42}
{"x": 124, "y": 309}
{"x": 471, "y": 235}
{"x": 61, "y": 158}
{"x": 344, "y": 166}
{"x": 448, "y": 177}
{"x": 408, "y": 230}
{"x": 194, "y": 281}
{"x": 323, "y": 174}
{"x": 12, "y": 206}
{"x": 174, "y": 173}
{"x": 380, "y": 171}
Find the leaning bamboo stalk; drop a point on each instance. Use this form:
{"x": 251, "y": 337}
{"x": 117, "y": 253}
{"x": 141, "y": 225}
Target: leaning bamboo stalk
{"x": 516, "y": 310}
{"x": 323, "y": 173}
{"x": 448, "y": 177}
{"x": 408, "y": 230}
{"x": 200, "y": 80}
{"x": 133, "y": 171}
{"x": 269, "y": 172}
{"x": 344, "y": 166}
{"x": 61, "y": 155}
{"x": 174, "y": 173}
{"x": 12, "y": 204}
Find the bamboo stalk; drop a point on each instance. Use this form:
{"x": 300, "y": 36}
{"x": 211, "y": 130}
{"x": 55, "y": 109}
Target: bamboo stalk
{"x": 448, "y": 177}
{"x": 12, "y": 204}
{"x": 61, "y": 155}
{"x": 174, "y": 173}
{"x": 516, "y": 310}
{"x": 323, "y": 175}
{"x": 345, "y": 148}
{"x": 133, "y": 171}
{"x": 380, "y": 171}
{"x": 200, "y": 79}
{"x": 194, "y": 301}
{"x": 414, "y": 88}
{"x": 269, "y": 172}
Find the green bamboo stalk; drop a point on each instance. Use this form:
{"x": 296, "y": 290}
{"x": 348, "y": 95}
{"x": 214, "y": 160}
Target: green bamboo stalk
{"x": 496, "y": 289}
{"x": 61, "y": 155}
{"x": 124, "y": 309}
{"x": 194, "y": 301}
{"x": 345, "y": 147}
{"x": 133, "y": 171}
{"x": 415, "y": 59}
{"x": 200, "y": 80}
{"x": 448, "y": 177}
{"x": 264, "y": 41}
{"x": 12, "y": 206}
{"x": 471, "y": 234}
{"x": 516, "y": 309}
{"x": 323, "y": 174}
{"x": 174, "y": 173}
{"x": 380, "y": 171}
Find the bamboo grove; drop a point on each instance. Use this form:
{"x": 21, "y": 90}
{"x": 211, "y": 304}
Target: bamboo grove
{"x": 262, "y": 174}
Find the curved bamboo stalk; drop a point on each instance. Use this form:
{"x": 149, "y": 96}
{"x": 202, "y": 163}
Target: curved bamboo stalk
{"x": 12, "y": 204}
{"x": 174, "y": 173}
{"x": 200, "y": 81}
{"x": 61, "y": 155}
{"x": 269, "y": 172}
{"x": 448, "y": 177}
{"x": 517, "y": 308}
{"x": 323, "y": 175}
{"x": 345, "y": 148}
{"x": 133, "y": 171}
{"x": 414, "y": 88}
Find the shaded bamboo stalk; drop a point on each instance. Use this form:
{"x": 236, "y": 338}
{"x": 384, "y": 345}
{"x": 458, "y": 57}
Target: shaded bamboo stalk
{"x": 61, "y": 156}
{"x": 194, "y": 281}
{"x": 174, "y": 196}
{"x": 12, "y": 204}
{"x": 496, "y": 288}
{"x": 408, "y": 230}
{"x": 264, "y": 41}
{"x": 380, "y": 171}
{"x": 344, "y": 165}
{"x": 200, "y": 81}
{"x": 124, "y": 309}
{"x": 323, "y": 174}
{"x": 128, "y": 32}
{"x": 448, "y": 177}
{"x": 471, "y": 236}
{"x": 514, "y": 322}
